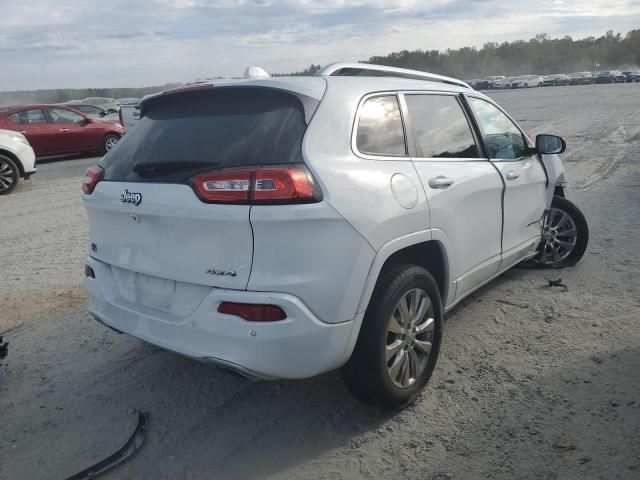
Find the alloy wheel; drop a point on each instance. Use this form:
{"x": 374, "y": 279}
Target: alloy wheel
{"x": 410, "y": 336}
{"x": 559, "y": 237}
{"x": 7, "y": 176}
{"x": 110, "y": 143}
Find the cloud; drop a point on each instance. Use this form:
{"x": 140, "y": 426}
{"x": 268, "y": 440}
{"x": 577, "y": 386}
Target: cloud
{"x": 48, "y": 43}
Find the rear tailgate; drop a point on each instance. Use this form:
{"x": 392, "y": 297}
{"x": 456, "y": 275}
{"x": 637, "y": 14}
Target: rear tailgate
{"x": 164, "y": 245}
{"x": 170, "y": 234}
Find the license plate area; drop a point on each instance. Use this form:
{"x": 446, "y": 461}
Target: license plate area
{"x": 157, "y": 293}
{"x": 154, "y": 292}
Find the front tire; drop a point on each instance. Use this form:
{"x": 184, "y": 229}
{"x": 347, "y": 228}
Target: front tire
{"x": 565, "y": 236}
{"x": 109, "y": 142}
{"x": 399, "y": 341}
{"x": 9, "y": 175}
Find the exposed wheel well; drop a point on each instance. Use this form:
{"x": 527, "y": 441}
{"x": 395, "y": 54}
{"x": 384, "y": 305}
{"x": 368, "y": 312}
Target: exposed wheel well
{"x": 15, "y": 159}
{"x": 559, "y": 191}
{"x": 429, "y": 255}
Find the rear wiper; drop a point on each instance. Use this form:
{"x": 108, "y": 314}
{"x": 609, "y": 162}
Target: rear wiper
{"x": 159, "y": 168}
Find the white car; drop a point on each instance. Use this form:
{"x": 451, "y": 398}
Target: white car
{"x": 501, "y": 83}
{"x": 526, "y": 81}
{"x": 284, "y": 227}
{"x": 17, "y": 160}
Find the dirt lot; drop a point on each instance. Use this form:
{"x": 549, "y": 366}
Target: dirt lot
{"x": 533, "y": 381}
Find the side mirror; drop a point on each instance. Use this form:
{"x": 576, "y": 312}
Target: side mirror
{"x": 550, "y": 144}
{"x": 85, "y": 121}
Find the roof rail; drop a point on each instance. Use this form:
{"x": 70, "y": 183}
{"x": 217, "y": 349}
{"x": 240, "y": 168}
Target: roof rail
{"x": 355, "y": 69}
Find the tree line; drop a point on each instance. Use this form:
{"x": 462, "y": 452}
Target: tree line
{"x": 539, "y": 55}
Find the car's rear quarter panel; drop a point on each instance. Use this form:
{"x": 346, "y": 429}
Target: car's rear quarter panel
{"x": 358, "y": 188}
{"x": 311, "y": 252}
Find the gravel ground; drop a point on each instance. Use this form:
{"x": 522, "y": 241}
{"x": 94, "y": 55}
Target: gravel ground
{"x": 43, "y": 238}
{"x": 533, "y": 381}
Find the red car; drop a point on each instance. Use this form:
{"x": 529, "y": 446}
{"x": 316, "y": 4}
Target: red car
{"x": 57, "y": 130}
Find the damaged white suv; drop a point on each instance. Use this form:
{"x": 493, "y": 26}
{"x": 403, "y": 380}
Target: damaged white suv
{"x": 284, "y": 227}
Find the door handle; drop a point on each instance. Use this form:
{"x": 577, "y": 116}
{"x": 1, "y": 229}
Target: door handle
{"x": 511, "y": 175}
{"x": 64, "y": 129}
{"x": 440, "y": 182}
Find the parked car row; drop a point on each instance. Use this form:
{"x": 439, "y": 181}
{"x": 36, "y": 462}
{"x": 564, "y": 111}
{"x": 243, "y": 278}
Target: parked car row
{"x": 556, "y": 80}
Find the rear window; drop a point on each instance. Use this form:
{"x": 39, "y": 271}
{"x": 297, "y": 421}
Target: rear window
{"x": 34, "y": 116}
{"x": 189, "y": 132}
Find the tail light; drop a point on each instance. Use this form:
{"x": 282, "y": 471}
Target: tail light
{"x": 92, "y": 176}
{"x": 253, "y": 312}
{"x": 267, "y": 185}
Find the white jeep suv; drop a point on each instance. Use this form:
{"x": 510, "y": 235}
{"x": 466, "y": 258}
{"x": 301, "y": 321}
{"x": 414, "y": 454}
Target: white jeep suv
{"x": 284, "y": 227}
{"x": 17, "y": 160}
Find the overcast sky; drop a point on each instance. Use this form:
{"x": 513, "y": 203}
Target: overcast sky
{"x": 84, "y": 43}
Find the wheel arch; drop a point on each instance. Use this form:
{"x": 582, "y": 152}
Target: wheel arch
{"x": 418, "y": 248}
{"x": 13, "y": 157}
{"x": 427, "y": 248}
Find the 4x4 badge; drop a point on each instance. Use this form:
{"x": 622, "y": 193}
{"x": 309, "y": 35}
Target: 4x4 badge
{"x": 131, "y": 197}
{"x": 224, "y": 273}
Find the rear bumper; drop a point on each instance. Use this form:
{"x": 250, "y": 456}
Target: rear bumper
{"x": 300, "y": 346}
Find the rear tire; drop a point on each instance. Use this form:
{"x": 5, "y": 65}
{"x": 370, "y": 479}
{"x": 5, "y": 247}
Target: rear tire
{"x": 109, "y": 142}
{"x": 565, "y": 238}
{"x": 9, "y": 175}
{"x": 397, "y": 347}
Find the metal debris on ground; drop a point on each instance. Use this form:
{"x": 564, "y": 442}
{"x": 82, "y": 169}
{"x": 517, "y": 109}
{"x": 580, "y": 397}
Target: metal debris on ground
{"x": 557, "y": 283}
{"x": 4, "y": 349}
{"x": 133, "y": 444}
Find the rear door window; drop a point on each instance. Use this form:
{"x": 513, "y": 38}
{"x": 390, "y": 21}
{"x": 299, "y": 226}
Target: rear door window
{"x": 441, "y": 127}
{"x": 33, "y": 116}
{"x": 380, "y": 130}
{"x": 185, "y": 133}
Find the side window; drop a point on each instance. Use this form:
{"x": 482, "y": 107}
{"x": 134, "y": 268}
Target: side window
{"x": 380, "y": 130}
{"x": 33, "y": 116}
{"x": 502, "y": 138}
{"x": 60, "y": 115}
{"x": 441, "y": 127}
